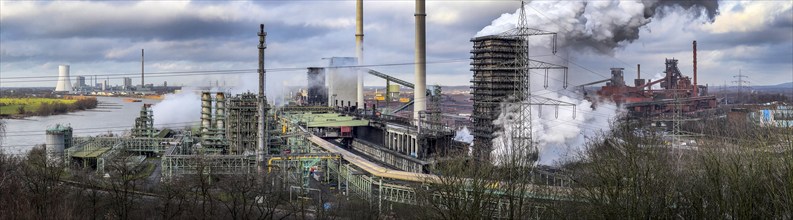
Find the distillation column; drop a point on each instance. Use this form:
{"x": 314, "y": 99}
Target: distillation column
{"x": 220, "y": 115}
{"x": 206, "y": 113}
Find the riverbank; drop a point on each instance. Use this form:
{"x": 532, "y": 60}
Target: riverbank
{"x": 112, "y": 115}
{"x": 19, "y": 108}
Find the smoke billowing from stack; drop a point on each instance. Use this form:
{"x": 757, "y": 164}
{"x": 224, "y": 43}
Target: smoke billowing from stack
{"x": 598, "y": 25}
{"x": 317, "y": 92}
{"x": 342, "y": 86}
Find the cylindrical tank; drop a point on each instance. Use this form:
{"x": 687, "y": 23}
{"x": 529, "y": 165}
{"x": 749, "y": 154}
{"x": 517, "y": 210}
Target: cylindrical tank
{"x": 57, "y": 140}
{"x": 220, "y": 112}
{"x": 206, "y": 111}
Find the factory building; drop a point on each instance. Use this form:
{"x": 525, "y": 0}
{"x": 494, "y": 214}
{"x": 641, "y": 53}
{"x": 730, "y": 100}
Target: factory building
{"x": 127, "y": 83}
{"x": 493, "y": 82}
{"x": 81, "y": 82}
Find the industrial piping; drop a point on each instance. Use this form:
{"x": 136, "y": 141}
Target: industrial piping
{"x": 419, "y": 91}
{"x": 359, "y": 50}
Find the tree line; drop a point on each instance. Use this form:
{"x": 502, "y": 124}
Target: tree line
{"x": 734, "y": 171}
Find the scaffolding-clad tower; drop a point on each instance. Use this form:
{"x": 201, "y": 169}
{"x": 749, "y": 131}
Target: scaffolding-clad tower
{"x": 502, "y": 86}
{"x": 492, "y": 83}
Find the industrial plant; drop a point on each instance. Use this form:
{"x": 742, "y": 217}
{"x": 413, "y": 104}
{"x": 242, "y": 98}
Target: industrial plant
{"x": 384, "y": 148}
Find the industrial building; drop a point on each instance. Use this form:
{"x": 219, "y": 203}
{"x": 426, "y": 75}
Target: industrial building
{"x": 332, "y": 134}
{"x": 678, "y": 92}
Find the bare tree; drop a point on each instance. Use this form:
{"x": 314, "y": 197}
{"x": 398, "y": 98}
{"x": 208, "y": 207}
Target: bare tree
{"x": 41, "y": 180}
{"x": 462, "y": 190}
{"x": 173, "y": 202}
{"x": 91, "y": 198}
{"x": 123, "y": 181}
{"x": 238, "y": 194}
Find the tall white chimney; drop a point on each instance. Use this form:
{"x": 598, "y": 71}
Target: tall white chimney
{"x": 420, "y": 89}
{"x": 359, "y": 49}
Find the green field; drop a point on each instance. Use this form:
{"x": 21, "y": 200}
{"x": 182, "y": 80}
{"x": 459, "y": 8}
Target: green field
{"x": 10, "y": 106}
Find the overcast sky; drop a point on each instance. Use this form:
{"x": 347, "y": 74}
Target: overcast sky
{"x": 105, "y": 37}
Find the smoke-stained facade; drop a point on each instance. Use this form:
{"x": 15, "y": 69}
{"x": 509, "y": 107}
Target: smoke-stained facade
{"x": 317, "y": 92}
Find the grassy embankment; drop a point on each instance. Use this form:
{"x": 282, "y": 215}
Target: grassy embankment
{"x": 16, "y": 107}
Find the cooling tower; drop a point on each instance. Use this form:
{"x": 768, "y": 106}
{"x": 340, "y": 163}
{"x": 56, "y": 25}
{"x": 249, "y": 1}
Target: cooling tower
{"x": 64, "y": 84}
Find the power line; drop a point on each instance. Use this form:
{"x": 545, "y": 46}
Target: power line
{"x": 50, "y": 78}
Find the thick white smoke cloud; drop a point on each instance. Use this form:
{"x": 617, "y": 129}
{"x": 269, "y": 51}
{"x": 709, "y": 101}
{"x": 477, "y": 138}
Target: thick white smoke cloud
{"x": 342, "y": 82}
{"x": 184, "y": 108}
{"x": 464, "y": 135}
{"x": 178, "y": 110}
{"x": 598, "y": 25}
{"x": 601, "y": 26}
{"x": 556, "y": 136}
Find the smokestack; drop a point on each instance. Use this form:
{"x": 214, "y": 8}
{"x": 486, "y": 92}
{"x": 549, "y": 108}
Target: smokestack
{"x": 261, "y": 147}
{"x": 142, "y": 83}
{"x": 696, "y": 89}
{"x": 420, "y": 88}
{"x": 359, "y": 46}
{"x": 638, "y": 71}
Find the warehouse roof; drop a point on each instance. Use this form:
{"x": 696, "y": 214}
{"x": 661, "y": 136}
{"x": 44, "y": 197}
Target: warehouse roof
{"x": 331, "y": 120}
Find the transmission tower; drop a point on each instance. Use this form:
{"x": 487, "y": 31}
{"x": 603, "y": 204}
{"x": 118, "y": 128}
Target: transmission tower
{"x": 741, "y": 84}
{"x": 521, "y": 147}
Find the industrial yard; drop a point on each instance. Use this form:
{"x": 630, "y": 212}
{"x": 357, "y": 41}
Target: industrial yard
{"x": 527, "y": 136}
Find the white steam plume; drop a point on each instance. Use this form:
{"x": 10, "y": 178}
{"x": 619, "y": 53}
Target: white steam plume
{"x": 555, "y": 137}
{"x": 178, "y": 110}
{"x": 464, "y": 135}
{"x": 599, "y": 25}
{"x": 342, "y": 81}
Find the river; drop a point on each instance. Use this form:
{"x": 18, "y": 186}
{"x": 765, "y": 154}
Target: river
{"x": 112, "y": 114}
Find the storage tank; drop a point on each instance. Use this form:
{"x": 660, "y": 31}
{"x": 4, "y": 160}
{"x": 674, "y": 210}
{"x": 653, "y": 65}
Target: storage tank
{"x": 58, "y": 139}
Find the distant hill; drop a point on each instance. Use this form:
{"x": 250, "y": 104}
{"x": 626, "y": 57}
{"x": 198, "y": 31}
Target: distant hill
{"x": 786, "y": 85}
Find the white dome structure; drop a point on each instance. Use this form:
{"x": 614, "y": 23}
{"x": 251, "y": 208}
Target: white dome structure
{"x": 64, "y": 83}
